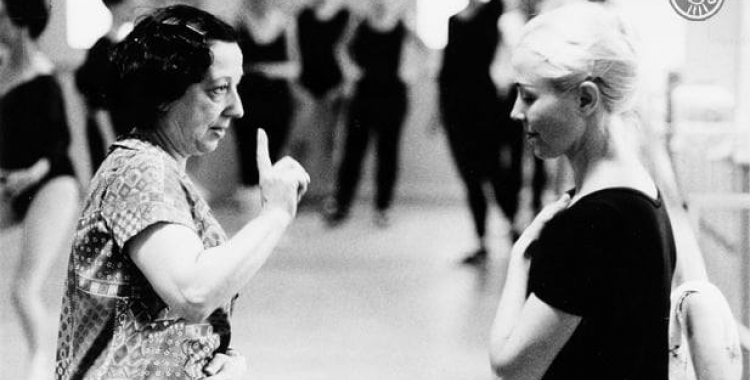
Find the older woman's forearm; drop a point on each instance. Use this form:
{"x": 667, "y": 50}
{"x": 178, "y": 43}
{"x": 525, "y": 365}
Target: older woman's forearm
{"x": 220, "y": 272}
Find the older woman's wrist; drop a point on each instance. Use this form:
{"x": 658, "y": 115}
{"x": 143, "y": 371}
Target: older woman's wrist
{"x": 277, "y": 216}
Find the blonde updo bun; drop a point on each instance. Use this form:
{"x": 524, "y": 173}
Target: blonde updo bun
{"x": 585, "y": 41}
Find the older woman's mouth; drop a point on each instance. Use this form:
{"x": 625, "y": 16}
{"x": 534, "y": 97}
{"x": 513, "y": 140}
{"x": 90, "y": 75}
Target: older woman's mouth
{"x": 219, "y": 130}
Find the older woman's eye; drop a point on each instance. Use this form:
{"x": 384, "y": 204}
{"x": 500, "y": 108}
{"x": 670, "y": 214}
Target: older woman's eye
{"x": 220, "y": 90}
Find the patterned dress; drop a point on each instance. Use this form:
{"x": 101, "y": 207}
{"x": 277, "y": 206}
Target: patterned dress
{"x": 113, "y": 325}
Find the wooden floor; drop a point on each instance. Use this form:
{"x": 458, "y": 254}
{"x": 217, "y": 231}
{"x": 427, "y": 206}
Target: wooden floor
{"x": 355, "y": 302}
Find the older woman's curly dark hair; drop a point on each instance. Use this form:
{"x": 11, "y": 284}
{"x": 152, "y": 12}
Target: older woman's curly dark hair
{"x": 166, "y": 53}
{"x": 30, "y": 14}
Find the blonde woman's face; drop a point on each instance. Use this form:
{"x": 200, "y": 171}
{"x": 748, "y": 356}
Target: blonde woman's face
{"x": 552, "y": 122}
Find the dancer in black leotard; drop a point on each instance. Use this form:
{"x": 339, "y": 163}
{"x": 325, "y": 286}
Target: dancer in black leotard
{"x": 35, "y": 137}
{"x": 320, "y": 27}
{"x": 94, "y": 81}
{"x": 378, "y": 108}
{"x": 477, "y": 118}
{"x": 37, "y": 173}
{"x": 269, "y": 65}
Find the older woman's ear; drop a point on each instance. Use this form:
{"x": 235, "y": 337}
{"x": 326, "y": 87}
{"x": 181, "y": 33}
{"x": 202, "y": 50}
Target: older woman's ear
{"x": 588, "y": 97}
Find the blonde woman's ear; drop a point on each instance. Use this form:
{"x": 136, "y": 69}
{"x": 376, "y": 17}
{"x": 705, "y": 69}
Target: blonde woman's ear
{"x": 588, "y": 97}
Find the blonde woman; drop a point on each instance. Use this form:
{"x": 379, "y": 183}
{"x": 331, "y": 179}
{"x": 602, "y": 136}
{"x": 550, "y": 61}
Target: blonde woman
{"x": 588, "y": 283}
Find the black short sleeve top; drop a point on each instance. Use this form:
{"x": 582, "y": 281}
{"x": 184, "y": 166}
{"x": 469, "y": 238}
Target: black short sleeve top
{"x": 609, "y": 258}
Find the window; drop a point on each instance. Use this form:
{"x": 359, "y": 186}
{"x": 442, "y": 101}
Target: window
{"x": 87, "y": 20}
{"x": 432, "y": 20}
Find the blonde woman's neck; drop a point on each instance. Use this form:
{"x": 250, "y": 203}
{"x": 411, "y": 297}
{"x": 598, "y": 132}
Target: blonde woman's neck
{"x": 608, "y": 158}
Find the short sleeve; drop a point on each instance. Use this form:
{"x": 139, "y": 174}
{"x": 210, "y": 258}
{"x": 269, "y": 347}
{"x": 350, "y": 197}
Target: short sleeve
{"x": 567, "y": 267}
{"x": 145, "y": 192}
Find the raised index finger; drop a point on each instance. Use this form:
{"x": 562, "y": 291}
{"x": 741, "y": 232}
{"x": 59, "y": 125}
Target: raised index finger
{"x": 262, "y": 155}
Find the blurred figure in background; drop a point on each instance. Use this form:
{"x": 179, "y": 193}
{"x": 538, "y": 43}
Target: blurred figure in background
{"x": 105, "y": 115}
{"x": 320, "y": 29}
{"x": 268, "y": 44}
{"x": 36, "y": 171}
{"x": 377, "y": 110}
{"x": 511, "y": 23}
{"x": 477, "y": 118}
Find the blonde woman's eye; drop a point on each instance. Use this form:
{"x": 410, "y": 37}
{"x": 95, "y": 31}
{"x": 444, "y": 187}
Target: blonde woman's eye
{"x": 526, "y": 97}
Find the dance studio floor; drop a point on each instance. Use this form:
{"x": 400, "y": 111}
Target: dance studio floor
{"x": 352, "y": 303}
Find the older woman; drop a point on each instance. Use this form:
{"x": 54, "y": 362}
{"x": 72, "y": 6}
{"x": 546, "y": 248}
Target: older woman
{"x": 152, "y": 276}
{"x": 588, "y": 283}
{"x": 37, "y": 176}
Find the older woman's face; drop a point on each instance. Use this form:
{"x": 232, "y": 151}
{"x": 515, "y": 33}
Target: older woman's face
{"x": 197, "y": 121}
{"x": 551, "y": 121}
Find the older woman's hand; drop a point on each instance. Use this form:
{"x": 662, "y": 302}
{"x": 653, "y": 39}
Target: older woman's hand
{"x": 281, "y": 184}
{"x": 231, "y": 366}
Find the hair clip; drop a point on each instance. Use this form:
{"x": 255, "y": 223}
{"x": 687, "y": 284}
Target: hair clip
{"x": 194, "y": 29}
{"x": 174, "y": 22}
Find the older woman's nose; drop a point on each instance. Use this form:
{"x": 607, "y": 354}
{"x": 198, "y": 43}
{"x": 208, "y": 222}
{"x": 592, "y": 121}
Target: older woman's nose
{"x": 235, "y": 108}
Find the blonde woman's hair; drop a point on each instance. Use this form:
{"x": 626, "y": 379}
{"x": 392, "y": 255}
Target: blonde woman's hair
{"x": 585, "y": 41}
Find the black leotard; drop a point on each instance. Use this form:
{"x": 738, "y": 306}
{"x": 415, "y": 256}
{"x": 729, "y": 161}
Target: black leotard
{"x": 317, "y": 42}
{"x": 33, "y": 125}
{"x": 267, "y": 100}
